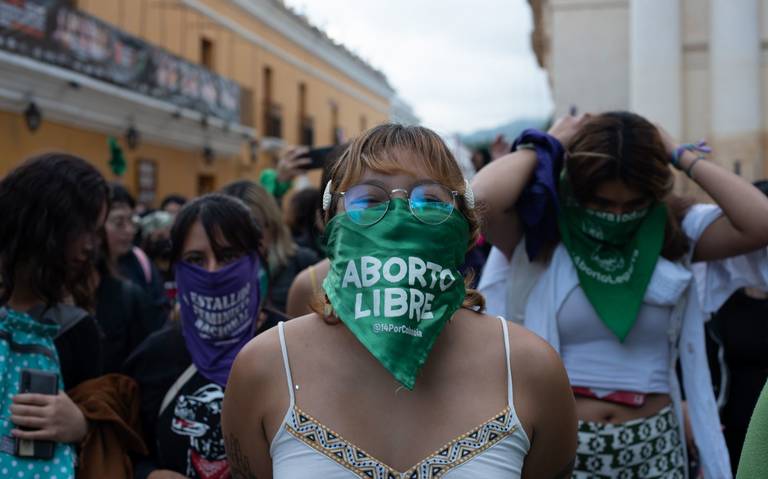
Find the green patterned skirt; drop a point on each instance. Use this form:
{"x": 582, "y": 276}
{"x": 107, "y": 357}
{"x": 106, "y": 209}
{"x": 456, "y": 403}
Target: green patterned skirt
{"x": 642, "y": 448}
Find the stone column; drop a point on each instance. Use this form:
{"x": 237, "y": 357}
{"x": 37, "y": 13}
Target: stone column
{"x": 589, "y": 59}
{"x": 735, "y": 77}
{"x": 656, "y": 54}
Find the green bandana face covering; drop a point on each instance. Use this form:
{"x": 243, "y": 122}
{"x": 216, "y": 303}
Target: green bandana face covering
{"x": 396, "y": 283}
{"x": 614, "y": 255}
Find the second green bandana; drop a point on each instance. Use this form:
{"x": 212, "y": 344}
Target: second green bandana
{"x": 615, "y": 256}
{"x": 396, "y": 283}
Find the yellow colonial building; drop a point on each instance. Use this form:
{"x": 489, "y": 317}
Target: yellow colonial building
{"x": 196, "y": 92}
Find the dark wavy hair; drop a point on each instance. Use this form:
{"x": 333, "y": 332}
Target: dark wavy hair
{"x": 47, "y": 203}
{"x": 624, "y": 146}
{"x": 119, "y": 195}
{"x": 223, "y": 218}
{"x": 173, "y": 199}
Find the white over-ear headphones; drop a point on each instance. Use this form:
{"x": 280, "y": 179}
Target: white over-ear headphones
{"x": 469, "y": 196}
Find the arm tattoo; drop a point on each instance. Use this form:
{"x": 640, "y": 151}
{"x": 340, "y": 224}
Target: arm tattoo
{"x": 239, "y": 465}
{"x": 567, "y": 470}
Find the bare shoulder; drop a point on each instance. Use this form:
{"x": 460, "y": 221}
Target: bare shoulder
{"x": 543, "y": 397}
{"x": 255, "y": 363}
{"x": 300, "y": 294}
{"x": 536, "y": 368}
{"x": 259, "y": 367}
{"x": 262, "y": 352}
{"x": 304, "y": 278}
{"x": 303, "y": 290}
{"x": 533, "y": 359}
{"x": 303, "y": 281}
{"x": 310, "y": 336}
{"x": 526, "y": 345}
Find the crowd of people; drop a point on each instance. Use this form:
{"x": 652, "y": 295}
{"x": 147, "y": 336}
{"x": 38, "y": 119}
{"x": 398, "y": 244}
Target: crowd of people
{"x": 563, "y": 314}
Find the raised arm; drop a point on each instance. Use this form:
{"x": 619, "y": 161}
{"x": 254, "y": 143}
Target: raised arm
{"x": 498, "y": 186}
{"x": 744, "y": 224}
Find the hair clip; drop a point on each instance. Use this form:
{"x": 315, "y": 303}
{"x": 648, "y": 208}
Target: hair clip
{"x": 327, "y": 196}
{"x": 469, "y": 195}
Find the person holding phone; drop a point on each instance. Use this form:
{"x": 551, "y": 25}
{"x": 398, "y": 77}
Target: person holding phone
{"x": 53, "y": 207}
{"x": 306, "y": 290}
{"x": 398, "y": 374}
{"x": 291, "y": 163}
{"x": 612, "y": 286}
{"x": 183, "y": 368}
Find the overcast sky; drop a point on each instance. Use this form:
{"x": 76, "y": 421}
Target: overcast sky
{"x": 462, "y": 65}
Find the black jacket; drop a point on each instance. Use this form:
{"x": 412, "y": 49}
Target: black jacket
{"x": 126, "y": 316}
{"x": 281, "y": 283}
{"x": 130, "y": 269}
{"x": 155, "y": 365}
{"x": 78, "y": 342}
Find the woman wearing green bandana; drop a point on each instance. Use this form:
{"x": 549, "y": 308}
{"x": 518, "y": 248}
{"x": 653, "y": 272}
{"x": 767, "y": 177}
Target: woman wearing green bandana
{"x": 399, "y": 374}
{"x": 615, "y": 295}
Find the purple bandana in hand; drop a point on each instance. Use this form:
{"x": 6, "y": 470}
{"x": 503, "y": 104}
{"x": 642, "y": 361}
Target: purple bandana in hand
{"x": 539, "y": 204}
{"x": 218, "y": 313}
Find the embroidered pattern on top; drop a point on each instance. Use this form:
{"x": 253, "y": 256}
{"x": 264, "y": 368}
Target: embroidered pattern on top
{"x": 313, "y": 433}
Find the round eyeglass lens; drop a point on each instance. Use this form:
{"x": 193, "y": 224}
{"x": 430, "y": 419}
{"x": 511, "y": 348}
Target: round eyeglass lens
{"x": 366, "y": 204}
{"x": 431, "y": 203}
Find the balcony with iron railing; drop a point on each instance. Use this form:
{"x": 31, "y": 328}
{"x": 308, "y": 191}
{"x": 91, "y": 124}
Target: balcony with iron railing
{"x": 273, "y": 120}
{"x": 80, "y": 70}
{"x": 307, "y": 131}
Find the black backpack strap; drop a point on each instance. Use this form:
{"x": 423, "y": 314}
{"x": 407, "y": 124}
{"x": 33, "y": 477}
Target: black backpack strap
{"x": 65, "y": 315}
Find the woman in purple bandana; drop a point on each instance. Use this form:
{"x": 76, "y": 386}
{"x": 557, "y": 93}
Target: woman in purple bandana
{"x": 183, "y": 369}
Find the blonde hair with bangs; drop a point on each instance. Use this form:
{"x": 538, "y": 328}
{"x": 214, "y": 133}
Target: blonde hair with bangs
{"x": 270, "y": 218}
{"x": 385, "y": 149}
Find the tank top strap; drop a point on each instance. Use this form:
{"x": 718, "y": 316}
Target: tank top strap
{"x": 286, "y": 365}
{"x": 505, "y": 330}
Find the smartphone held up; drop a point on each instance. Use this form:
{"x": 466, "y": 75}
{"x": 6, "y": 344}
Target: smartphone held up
{"x": 317, "y": 157}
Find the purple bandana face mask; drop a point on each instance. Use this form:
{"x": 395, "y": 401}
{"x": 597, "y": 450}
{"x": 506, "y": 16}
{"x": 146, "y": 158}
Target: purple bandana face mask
{"x": 218, "y": 313}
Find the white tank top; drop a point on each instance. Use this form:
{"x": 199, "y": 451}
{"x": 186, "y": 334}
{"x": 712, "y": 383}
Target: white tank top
{"x": 595, "y": 358}
{"x": 303, "y": 447}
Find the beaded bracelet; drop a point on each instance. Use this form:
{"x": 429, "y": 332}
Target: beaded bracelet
{"x": 700, "y": 147}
